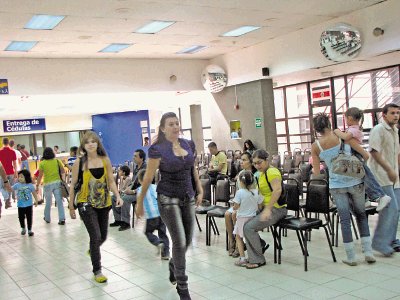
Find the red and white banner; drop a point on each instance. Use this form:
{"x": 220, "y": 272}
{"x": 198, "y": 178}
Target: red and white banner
{"x": 321, "y": 95}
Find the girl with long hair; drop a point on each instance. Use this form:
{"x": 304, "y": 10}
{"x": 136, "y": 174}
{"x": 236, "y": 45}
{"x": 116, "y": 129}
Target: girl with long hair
{"x": 93, "y": 198}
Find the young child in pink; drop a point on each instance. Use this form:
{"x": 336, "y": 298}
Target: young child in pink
{"x": 354, "y": 137}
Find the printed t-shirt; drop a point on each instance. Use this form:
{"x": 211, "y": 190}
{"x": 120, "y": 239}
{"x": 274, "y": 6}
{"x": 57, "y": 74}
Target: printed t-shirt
{"x": 24, "y": 193}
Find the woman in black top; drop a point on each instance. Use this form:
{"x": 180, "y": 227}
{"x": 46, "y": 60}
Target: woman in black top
{"x": 174, "y": 157}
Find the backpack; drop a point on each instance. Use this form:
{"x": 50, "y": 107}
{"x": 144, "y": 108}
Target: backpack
{"x": 347, "y": 165}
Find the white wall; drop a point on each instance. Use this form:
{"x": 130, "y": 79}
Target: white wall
{"x": 64, "y": 76}
{"x": 300, "y": 50}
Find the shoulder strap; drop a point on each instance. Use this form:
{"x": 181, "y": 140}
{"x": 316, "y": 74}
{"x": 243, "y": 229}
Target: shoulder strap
{"x": 341, "y": 146}
{"x": 319, "y": 145}
{"x": 266, "y": 178}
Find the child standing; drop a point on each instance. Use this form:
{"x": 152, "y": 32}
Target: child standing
{"x": 153, "y": 219}
{"x": 246, "y": 202}
{"x": 354, "y": 137}
{"x": 24, "y": 190}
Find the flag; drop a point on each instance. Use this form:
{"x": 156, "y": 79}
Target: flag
{"x": 321, "y": 95}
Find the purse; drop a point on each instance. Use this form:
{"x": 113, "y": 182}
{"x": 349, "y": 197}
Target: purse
{"x": 346, "y": 164}
{"x": 64, "y": 186}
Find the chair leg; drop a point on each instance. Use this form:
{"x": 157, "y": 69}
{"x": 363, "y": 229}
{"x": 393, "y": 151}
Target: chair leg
{"x": 300, "y": 238}
{"x": 333, "y": 228}
{"x": 280, "y": 248}
{"x": 305, "y": 252}
{"x": 337, "y": 230}
{"x": 198, "y": 223}
{"x": 227, "y": 240}
{"x": 215, "y": 225}
{"x": 354, "y": 227}
{"x": 330, "y": 245}
{"x": 208, "y": 231}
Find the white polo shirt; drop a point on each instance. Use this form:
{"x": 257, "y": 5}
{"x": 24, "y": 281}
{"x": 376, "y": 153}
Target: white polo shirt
{"x": 385, "y": 140}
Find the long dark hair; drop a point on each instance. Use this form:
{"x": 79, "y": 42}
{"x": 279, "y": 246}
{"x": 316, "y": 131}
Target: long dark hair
{"x": 251, "y": 146}
{"x": 160, "y": 135}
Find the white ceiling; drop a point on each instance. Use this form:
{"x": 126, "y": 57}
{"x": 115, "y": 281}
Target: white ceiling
{"x": 91, "y": 25}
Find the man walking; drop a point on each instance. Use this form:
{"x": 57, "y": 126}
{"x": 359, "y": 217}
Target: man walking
{"x": 8, "y": 158}
{"x": 384, "y": 164}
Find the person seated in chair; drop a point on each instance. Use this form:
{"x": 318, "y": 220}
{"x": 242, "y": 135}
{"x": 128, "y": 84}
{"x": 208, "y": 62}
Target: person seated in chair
{"x": 218, "y": 164}
{"x": 123, "y": 214}
{"x": 125, "y": 182}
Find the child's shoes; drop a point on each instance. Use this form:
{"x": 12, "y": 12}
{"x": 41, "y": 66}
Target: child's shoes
{"x": 23, "y": 231}
{"x": 383, "y": 202}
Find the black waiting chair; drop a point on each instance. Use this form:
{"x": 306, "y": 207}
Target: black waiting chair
{"x": 222, "y": 194}
{"x": 317, "y": 201}
{"x": 206, "y": 205}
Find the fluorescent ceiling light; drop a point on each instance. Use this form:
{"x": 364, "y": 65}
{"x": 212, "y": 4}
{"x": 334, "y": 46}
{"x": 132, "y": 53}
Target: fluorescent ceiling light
{"x": 115, "y": 48}
{"x": 20, "y": 46}
{"x": 154, "y": 27}
{"x": 192, "y": 49}
{"x": 241, "y": 30}
{"x": 43, "y": 22}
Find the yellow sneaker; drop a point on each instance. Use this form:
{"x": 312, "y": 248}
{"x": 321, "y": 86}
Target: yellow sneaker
{"x": 100, "y": 278}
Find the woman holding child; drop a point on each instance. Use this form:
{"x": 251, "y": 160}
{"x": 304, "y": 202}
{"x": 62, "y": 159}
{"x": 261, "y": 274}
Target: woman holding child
{"x": 175, "y": 158}
{"x": 348, "y": 193}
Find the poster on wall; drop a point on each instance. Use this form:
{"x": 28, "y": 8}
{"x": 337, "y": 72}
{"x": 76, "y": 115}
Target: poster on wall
{"x": 3, "y": 86}
{"x": 24, "y": 125}
{"x": 236, "y": 130}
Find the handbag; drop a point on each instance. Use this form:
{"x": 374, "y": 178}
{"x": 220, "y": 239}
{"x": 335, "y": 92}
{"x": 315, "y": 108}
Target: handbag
{"x": 346, "y": 164}
{"x": 64, "y": 186}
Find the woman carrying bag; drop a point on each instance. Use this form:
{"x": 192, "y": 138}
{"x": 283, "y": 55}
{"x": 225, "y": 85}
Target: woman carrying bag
{"x": 93, "y": 197}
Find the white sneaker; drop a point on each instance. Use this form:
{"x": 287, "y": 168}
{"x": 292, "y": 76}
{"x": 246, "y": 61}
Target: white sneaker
{"x": 367, "y": 203}
{"x": 383, "y": 202}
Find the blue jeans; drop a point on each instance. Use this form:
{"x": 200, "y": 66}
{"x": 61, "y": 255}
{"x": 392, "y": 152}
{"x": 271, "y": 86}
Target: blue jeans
{"x": 351, "y": 200}
{"x": 385, "y": 232}
{"x": 6, "y": 195}
{"x": 25, "y": 165}
{"x": 372, "y": 187}
{"x": 50, "y": 190}
{"x": 178, "y": 215}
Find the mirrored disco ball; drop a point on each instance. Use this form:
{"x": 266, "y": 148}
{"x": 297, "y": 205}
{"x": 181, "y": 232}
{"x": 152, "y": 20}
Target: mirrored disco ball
{"x": 214, "y": 78}
{"x": 340, "y": 43}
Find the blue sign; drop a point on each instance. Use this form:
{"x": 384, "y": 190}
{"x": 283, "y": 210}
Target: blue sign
{"x": 24, "y": 125}
{"x": 3, "y": 86}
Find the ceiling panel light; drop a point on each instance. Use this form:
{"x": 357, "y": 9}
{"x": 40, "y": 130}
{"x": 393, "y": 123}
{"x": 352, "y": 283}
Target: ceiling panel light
{"x": 241, "y": 30}
{"x": 43, "y": 22}
{"x": 115, "y": 48}
{"x": 154, "y": 27}
{"x": 20, "y": 46}
{"x": 192, "y": 49}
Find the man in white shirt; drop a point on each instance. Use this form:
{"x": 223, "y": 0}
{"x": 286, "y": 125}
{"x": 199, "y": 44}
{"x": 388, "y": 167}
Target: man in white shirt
{"x": 384, "y": 164}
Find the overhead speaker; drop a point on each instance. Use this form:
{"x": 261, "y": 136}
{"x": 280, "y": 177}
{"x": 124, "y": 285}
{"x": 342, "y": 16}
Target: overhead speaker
{"x": 265, "y": 71}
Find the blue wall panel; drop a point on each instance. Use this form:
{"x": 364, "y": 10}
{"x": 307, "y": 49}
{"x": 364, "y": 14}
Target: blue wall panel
{"x": 121, "y": 133}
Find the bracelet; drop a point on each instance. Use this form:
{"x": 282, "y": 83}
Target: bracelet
{"x": 5, "y": 181}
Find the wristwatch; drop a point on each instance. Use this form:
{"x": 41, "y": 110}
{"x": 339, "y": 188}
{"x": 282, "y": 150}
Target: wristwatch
{"x": 5, "y": 181}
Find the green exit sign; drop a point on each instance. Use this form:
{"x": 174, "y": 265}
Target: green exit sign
{"x": 258, "y": 122}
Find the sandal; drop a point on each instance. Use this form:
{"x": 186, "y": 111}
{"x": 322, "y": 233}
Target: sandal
{"x": 255, "y": 266}
{"x": 241, "y": 263}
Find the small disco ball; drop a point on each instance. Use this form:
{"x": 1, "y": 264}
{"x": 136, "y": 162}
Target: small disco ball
{"x": 214, "y": 78}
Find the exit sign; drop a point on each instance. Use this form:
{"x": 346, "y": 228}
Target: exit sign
{"x": 258, "y": 122}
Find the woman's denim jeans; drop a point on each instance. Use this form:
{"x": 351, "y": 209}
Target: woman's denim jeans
{"x": 50, "y": 190}
{"x": 351, "y": 200}
{"x": 178, "y": 215}
{"x": 385, "y": 232}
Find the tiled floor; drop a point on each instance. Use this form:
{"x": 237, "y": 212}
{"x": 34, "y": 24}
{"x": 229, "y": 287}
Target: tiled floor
{"x": 53, "y": 265}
